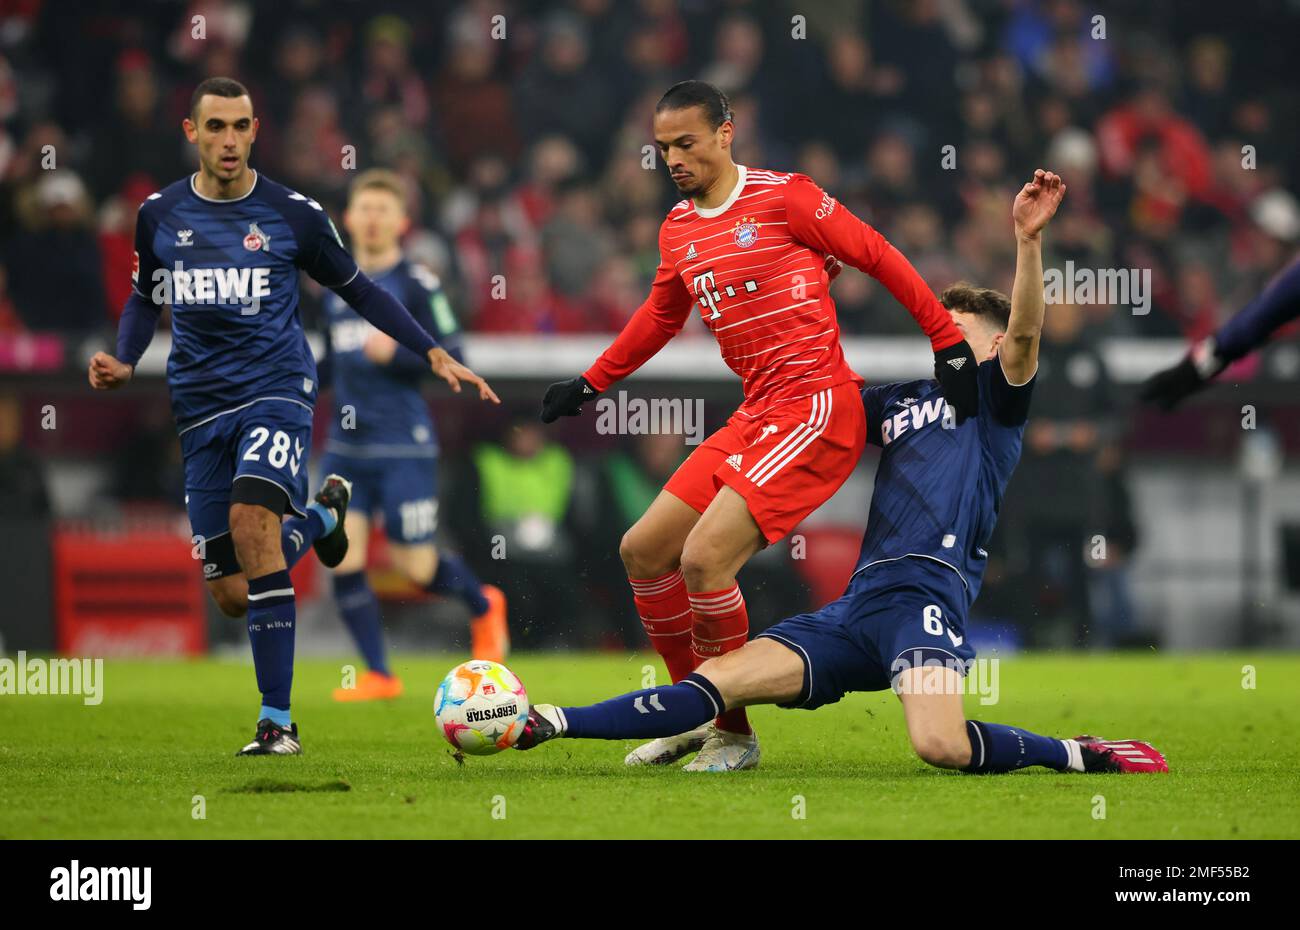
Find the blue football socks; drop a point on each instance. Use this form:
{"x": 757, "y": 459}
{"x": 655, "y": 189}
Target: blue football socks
{"x": 690, "y": 703}
{"x": 271, "y": 622}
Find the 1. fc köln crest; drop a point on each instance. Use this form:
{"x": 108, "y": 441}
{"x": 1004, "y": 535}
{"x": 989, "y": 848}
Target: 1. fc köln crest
{"x": 256, "y": 240}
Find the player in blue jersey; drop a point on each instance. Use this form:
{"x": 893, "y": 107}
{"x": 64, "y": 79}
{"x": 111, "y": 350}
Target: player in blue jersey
{"x": 901, "y": 622}
{"x": 1277, "y": 305}
{"x": 221, "y": 251}
{"x": 382, "y": 437}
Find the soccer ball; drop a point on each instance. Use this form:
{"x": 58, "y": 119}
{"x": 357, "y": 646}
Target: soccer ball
{"x": 481, "y": 707}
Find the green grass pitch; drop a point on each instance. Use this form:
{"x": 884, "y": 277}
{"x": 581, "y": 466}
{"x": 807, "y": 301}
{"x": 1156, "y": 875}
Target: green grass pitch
{"x": 160, "y": 748}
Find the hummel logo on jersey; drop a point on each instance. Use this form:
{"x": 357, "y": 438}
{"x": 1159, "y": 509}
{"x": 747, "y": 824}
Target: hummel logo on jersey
{"x": 734, "y": 461}
{"x": 294, "y": 195}
{"x": 184, "y": 237}
{"x": 256, "y": 240}
{"x": 691, "y": 253}
{"x": 956, "y": 363}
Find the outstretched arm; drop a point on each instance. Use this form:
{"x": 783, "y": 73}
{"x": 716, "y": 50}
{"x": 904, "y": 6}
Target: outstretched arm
{"x": 1034, "y": 208}
{"x": 1277, "y": 305}
{"x": 383, "y": 312}
{"x": 430, "y": 308}
{"x": 648, "y": 331}
{"x": 322, "y": 256}
{"x": 1248, "y": 330}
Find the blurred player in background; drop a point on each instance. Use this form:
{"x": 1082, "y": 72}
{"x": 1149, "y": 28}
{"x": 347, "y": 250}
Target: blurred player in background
{"x": 1244, "y": 333}
{"x": 221, "y": 250}
{"x": 901, "y": 623}
{"x": 383, "y": 439}
{"x": 749, "y": 248}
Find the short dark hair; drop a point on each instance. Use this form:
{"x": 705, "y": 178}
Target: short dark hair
{"x": 984, "y": 302}
{"x": 717, "y": 108}
{"x": 217, "y": 87}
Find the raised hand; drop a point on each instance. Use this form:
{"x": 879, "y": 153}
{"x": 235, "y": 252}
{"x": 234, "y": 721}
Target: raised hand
{"x": 1036, "y": 203}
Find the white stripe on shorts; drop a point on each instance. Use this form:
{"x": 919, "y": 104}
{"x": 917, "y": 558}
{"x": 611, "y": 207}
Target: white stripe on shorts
{"x": 817, "y": 420}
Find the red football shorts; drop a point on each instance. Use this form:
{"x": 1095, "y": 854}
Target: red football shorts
{"x": 785, "y": 464}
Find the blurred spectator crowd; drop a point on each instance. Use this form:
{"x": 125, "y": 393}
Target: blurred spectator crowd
{"x": 521, "y": 137}
{"x": 522, "y": 130}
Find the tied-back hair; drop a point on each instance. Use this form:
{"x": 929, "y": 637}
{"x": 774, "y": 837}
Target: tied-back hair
{"x": 684, "y": 94}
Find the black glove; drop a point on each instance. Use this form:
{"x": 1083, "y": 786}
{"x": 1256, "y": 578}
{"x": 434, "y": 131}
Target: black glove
{"x": 1168, "y": 388}
{"x": 565, "y": 398}
{"x": 956, "y": 371}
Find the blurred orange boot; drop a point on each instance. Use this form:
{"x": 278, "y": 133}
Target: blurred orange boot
{"x": 372, "y": 686}
{"x": 489, "y": 636}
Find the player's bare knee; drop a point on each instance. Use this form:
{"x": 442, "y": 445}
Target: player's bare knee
{"x": 420, "y": 575}
{"x": 642, "y": 558}
{"x": 702, "y": 566}
{"x": 231, "y": 595}
{"x": 230, "y": 604}
{"x": 354, "y": 561}
{"x": 942, "y": 750}
{"x": 627, "y": 551}
{"x": 418, "y": 563}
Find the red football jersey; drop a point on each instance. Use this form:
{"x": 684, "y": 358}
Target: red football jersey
{"x": 753, "y": 268}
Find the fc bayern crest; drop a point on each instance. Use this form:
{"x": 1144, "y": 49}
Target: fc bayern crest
{"x": 256, "y": 240}
{"x": 746, "y": 232}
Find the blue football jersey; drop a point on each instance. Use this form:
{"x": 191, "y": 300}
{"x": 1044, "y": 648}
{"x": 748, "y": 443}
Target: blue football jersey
{"x": 228, "y": 271}
{"x": 380, "y": 412}
{"x": 939, "y": 485}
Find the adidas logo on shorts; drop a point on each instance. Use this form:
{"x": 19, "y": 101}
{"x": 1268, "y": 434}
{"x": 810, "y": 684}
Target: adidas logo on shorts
{"x": 734, "y": 461}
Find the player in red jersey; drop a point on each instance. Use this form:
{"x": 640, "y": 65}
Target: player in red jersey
{"x": 749, "y": 249}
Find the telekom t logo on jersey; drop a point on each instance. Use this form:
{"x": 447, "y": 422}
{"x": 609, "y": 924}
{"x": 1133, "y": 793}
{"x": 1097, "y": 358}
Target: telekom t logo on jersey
{"x": 706, "y": 289}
